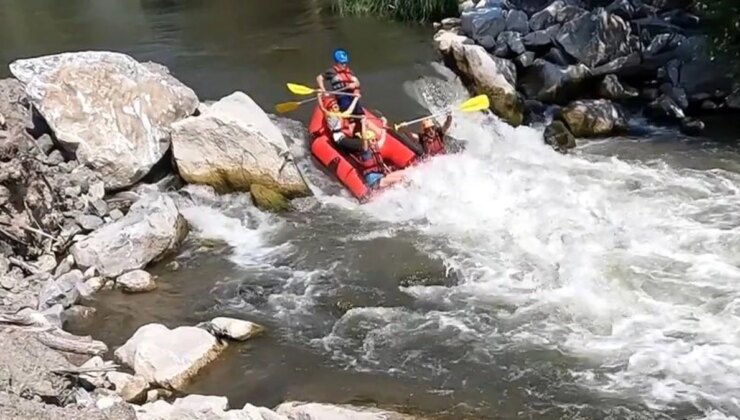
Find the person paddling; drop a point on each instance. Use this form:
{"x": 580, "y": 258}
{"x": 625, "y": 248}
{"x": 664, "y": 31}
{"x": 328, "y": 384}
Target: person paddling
{"x": 431, "y": 138}
{"x": 375, "y": 172}
{"x": 340, "y": 123}
{"x": 341, "y": 77}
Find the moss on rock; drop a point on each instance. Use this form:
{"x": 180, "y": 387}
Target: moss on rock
{"x": 267, "y": 199}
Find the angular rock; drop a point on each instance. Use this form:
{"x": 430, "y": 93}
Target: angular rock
{"x": 450, "y": 23}
{"x": 110, "y": 111}
{"x": 78, "y": 314}
{"x": 152, "y": 228}
{"x": 131, "y": 388}
{"x": 100, "y": 207}
{"x": 513, "y": 40}
{"x": 541, "y": 39}
{"x": 95, "y": 284}
{"x": 569, "y": 12}
{"x": 203, "y": 407}
{"x": 546, "y": 17}
{"x": 559, "y": 137}
{"x": 622, "y": 8}
{"x": 89, "y": 222}
{"x": 63, "y": 291}
{"x": 267, "y": 199}
{"x": 516, "y": 21}
{"x": 589, "y": 118}
{"x": 557, "y": 57}
{"x": 665, "y": 110}
{"x": 733, "y": 100}
{"x": 116, "y": 214}
{"x": 664, "y": 42}
{"x": 296, "y": 410}
{"x": 137, "y": 281}
{"x": 692, "y": 126}
{"x": 235, "y": 329}
{"x": 595, "y": 38}
{"x": 65, "y": 266}
{"x": 487, "y": 74}
{"x": 547, "y": 82}
{"x": 168, "y": 358}
{"x": 611, "y": 88}
{"x": 45, "y": 143}
{"x": 709, "y": 105}
{"x": 46, "y": 263}
{"x": 650, "y": 94}
{"x": 677, "y": 94}
{"x": 232, "y": 145}
{"x": 628, "y": 65}
{"x": 525, "y": 60}
{"x": 482, "y": 23}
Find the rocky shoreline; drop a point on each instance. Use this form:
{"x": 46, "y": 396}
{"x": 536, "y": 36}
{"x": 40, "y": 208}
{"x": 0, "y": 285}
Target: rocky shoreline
{"x": 589, "y": 63}
{"x": 92, "y": 147}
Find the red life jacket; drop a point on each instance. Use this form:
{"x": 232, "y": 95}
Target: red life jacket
{"x": 371, "y": 165}
{"x": 344, "y": 77}
{"x": 433, "y": 144}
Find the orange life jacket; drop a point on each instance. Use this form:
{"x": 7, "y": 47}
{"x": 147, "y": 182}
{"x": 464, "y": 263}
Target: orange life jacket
{"x": 432, "y": 144}
{"x": 373, "y": 164}
{"x": 344, "y": 77}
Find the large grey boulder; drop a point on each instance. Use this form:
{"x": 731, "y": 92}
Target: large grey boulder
{"x": 169, "y": 358}
{"x": 112, "y": 112}
{"x": 488, "y": 75}
{"x": 203, "y": 407}
{"x": 548, "y": 82}
{"x": 232, "y": 145}
{"x": 595, "y": 38}
{"x": 483, "y": 24}
{"x": 590, "y": 118}
{"x": 152, "y": 228}
{"x": 295, "y": 410}
{"x": 611, "y": 88}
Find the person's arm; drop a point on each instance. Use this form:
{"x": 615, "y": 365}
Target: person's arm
{"x": 447, "y": 124}
{"x": 355, "y": 83}
{"x": 320, "y": 82}
{"x": 351, "y": 110}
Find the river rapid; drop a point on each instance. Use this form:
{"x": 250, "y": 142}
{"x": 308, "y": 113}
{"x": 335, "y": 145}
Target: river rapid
{"x": 502, "y": 281}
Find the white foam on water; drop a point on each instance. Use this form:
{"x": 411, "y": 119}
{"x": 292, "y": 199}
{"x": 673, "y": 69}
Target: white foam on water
{"x": 628, "y": 265}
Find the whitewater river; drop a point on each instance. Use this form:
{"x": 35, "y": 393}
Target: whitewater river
{"x": 503, "y": 281}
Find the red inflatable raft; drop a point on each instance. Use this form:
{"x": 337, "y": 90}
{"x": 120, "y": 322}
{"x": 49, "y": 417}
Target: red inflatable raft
{"x": 397, "y": 152}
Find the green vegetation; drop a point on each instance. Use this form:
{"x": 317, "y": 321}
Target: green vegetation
{"x": 405, "y": 10}
{"x": 722, "y": 21}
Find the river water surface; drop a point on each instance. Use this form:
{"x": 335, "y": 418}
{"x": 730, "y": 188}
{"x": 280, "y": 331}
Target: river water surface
{"x": 503, "y": 281}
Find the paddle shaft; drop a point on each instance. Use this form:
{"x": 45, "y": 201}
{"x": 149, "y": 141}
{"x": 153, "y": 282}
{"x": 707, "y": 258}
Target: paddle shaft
{"x": 439, "y": 114}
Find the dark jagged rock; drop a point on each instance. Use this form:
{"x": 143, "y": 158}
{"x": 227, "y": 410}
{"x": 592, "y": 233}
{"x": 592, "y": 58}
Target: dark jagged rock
{"x": 525, "y": 60}
{"x": 671, "y": 4}
{"x": 546, "y": 17}
{"x": 681, "y": 18}
{"x": 516, "y": 21}
{"x": 595, "y": 38}
{"x": 677, "y": 94}
{"x": 709, "y": 105}
{"x": 530, "y": 6}
{"x": 592, "y": 118}
{"x": 482, "y": 24}
{"x": 611, "y": 88}
{"x": 513, "y": 41}
{"x": 556, "y": 56}
{"x": 540, "y": 39}
{"x": 559, "y": 137}
{"x": 622, "y": 8}
{"x": 548, "y": 82}
{"x": 534, "y": 112}
{"x": 664, "y": 110}
{"x": 733, "y": 100}
{"x": 629, "y": 64}
{"x": 692, "y": 126}
{"x": 568, "y": 13}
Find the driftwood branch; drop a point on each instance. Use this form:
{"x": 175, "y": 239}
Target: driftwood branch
{"x": 24, "y": 265}
{"x": 62, "y": 341}
{"x": 109, "y": 367}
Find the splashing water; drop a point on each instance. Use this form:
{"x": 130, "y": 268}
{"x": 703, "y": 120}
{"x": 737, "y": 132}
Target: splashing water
{"x": 630, "y": 267}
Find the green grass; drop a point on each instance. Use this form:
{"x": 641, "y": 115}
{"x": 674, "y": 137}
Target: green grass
{"x": 405, "y": 10}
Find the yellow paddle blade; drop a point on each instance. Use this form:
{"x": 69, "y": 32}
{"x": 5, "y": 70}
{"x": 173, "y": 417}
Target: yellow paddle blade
{"x": 287, "y": 107}
{"x": 477, "y": 103}
{"x": 300, "y": 89}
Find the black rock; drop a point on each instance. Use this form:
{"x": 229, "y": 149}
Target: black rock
{"x": 545, "y": 18}
{"x": 650, "y": 94}
{"x": 525, "y": 60}
{"x": 611, "y": 88}
{"x": 692, "y": 126}
{"x": 559, "y": 136}
{"x": 501, "y": 50}
{"x": 622, "y": 8}
{"x": 681, "y": 18}
{"x": 595, "y": 38}
{"x": 513, "y": 40}
{"x": 733, "y": 100}
{"x": 479, "y": 23}
{"x": 664, "y": 42}
{"x": 677, "y": 94}
{"x": 708, "y": 105}
{"x": 664, "y": 110}
{"x": 516, "y": 21}
{"x": 548, "y": 82}
{"x": 540, "y": 39}
{"x": 556, "y": 56}
{"x": 568, "y": 13}
{"x": 671, "y": 4}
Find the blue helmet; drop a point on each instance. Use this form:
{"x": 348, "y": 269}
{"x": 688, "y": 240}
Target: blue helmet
{"x": 341, "y": 56}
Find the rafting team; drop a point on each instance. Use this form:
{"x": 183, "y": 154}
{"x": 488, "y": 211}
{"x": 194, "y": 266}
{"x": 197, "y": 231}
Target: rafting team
{"x": 354, "y": 134}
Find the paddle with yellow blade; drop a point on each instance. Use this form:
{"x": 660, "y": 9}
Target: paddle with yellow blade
{"x": 477, "y": 103}
{"x": 303, "y": 91}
